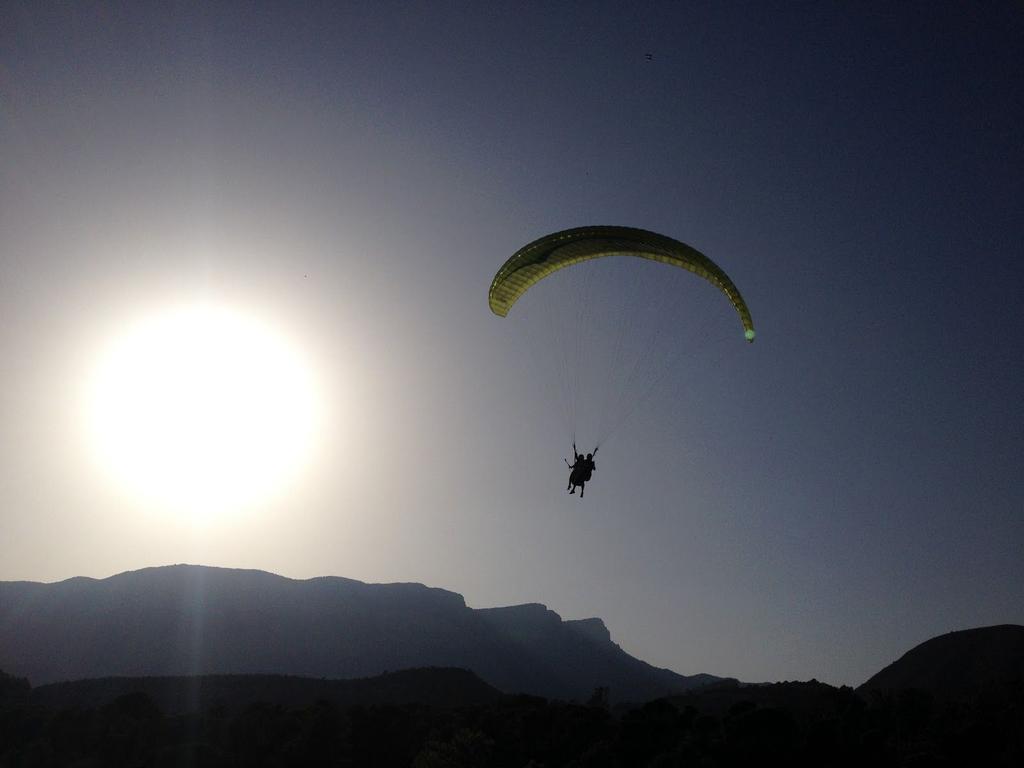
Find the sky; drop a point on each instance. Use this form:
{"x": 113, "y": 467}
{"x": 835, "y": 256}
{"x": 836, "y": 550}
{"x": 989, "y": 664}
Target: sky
{"x": 348, "y": 177}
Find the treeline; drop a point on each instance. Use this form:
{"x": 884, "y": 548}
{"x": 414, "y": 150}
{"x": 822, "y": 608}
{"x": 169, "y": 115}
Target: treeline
{"x": 844, "y": 729}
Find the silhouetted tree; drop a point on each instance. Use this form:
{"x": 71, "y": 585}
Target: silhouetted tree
{"x": 13, "y": 690}
{"x": 599, "y": 698}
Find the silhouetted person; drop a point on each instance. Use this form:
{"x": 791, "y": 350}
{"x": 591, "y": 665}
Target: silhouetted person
{"x": 582, "y": 468}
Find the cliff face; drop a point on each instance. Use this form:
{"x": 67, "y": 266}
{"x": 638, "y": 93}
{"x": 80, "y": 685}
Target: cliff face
{"x": 594, "y": 629}
{"x": 188, "y": 620}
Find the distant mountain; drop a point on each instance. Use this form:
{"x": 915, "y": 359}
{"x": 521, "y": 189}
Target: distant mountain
{"x": 174, "y": 695}
{"x": 187, "y": 620}
{"x": 958, "y": 665}
{"x": 570, "y": 651}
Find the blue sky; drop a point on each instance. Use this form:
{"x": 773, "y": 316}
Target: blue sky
{"x": 811, "y": 505}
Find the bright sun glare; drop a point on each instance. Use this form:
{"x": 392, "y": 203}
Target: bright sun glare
{"x": 202, "y": 409}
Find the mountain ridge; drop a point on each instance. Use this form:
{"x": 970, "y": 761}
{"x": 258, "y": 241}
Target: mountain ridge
{"x": 186, "y": 619}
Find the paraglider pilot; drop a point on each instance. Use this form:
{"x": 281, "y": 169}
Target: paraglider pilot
{"x": 582, "y": 467}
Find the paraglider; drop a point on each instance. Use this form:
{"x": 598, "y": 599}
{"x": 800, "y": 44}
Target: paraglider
{"x": 552, "y": 253}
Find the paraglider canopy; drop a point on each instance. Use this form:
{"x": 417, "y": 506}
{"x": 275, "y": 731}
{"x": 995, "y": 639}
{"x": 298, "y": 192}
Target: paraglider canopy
{"x": 562, "y": 249}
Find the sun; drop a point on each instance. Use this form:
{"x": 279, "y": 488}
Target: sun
{"x": 201, "y": 409}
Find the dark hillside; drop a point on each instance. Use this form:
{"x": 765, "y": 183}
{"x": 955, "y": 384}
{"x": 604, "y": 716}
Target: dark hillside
{"x": 957, "y": 666}
{"x": 180, "y": 695}
{"x": 806, "y": 699}
{"x": 792, "y": 724}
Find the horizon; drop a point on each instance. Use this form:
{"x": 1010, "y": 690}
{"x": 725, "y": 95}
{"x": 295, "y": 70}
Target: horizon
{"x": 245, "y": 256}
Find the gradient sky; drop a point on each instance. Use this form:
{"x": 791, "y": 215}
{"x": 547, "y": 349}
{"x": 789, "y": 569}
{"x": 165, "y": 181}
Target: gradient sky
{"x": 353, "y": 174}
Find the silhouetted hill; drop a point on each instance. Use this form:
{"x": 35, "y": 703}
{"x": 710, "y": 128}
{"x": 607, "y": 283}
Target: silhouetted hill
{"x": 173, "y": 695}
{"x": 958, "y": 665}
{"x": 189, "y": 620}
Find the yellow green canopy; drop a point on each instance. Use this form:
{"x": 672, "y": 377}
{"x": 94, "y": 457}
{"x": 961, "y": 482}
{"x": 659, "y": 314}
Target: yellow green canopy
{"x": 562, "y": 249}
